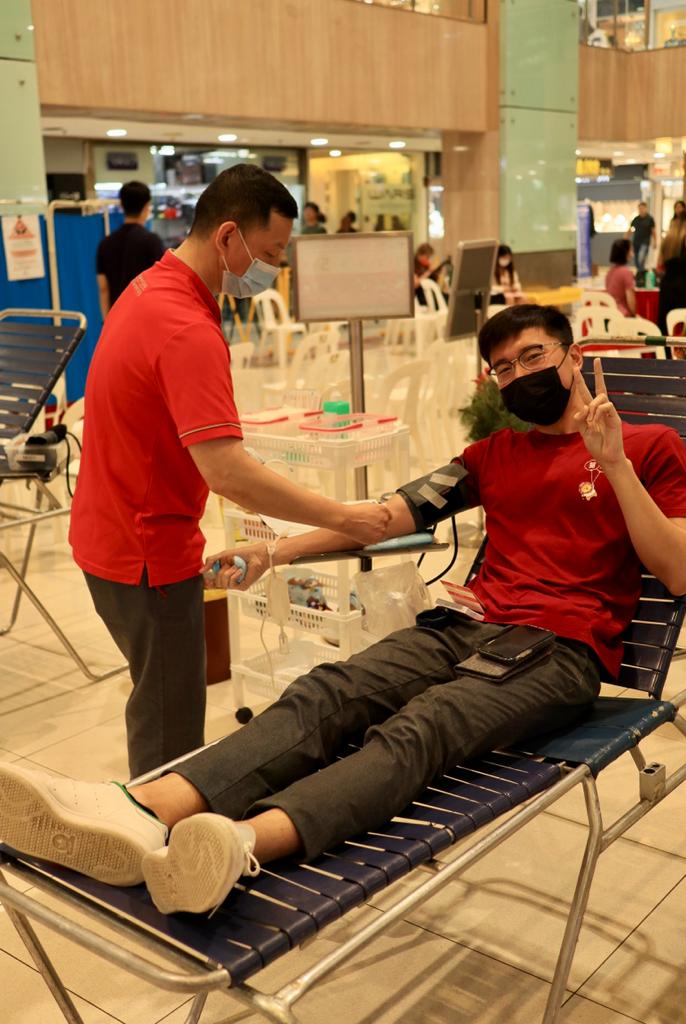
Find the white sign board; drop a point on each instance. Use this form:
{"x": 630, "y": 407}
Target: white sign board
{"x": 353, "y": 277}
{"x": 23, "y": 247}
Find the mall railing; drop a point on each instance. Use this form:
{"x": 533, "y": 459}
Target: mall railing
{"x": 464, "y": 10}
{"x": 632, "y": 24}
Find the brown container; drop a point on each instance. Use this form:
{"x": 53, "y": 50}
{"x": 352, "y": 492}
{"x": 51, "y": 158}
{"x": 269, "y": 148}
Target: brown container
{"x": 217, "y": 636}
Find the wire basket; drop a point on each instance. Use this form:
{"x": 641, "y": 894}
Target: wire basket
{"x": 311, "y": 620}
{"x": 328, "y": 452}
{"x": 302, "y": 656}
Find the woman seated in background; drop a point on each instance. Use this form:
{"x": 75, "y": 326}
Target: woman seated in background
{"x": 619, "y": 280}
{"x": 347, "y": 223}
{"x": 506, "y": 289}
{"x": 672, "y": 264}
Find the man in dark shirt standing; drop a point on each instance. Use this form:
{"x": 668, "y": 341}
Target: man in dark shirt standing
{"x": 642, "y": 234}
{"x": 129, "y": 250}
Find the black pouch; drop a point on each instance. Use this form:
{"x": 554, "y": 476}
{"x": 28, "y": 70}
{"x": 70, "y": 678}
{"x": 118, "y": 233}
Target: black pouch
{"x": 496, "y": 672}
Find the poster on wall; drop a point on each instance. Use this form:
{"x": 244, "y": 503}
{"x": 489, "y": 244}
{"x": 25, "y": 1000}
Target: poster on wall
{"x": 23, "y": 245}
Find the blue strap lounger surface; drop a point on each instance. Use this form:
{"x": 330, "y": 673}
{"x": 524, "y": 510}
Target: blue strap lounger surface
{"x": 35, "y": 348}
{"x": 288, "y": 903}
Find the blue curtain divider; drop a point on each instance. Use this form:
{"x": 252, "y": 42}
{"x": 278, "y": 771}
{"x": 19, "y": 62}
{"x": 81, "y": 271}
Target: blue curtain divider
{"x": 77, "y": 237}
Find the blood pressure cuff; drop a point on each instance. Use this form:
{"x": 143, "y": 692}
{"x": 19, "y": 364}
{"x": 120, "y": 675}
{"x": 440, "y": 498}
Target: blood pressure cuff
{"x": 437, "y": 496}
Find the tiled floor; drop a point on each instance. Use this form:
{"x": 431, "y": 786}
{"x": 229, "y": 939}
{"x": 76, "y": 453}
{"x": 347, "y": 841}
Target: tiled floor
{"x": 481, "y": 952}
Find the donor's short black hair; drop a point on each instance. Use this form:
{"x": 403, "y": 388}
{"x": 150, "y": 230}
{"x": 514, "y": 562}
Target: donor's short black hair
{"x": 134, "y": 196}
{"x": 243, "y": 193}
{"x": 511, "y": 321}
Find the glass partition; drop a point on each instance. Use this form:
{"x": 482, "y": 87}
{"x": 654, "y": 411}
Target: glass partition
{"x": 465, "y": 10}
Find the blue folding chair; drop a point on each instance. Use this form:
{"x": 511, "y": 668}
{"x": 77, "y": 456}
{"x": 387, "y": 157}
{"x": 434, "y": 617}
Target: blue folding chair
{"x": 288, "y": 902}
{"x": 36, "y": 346}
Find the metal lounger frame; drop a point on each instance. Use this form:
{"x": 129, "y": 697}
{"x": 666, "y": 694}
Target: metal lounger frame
{"x": 33, "y": 358}
{"x": 651, "y": 638}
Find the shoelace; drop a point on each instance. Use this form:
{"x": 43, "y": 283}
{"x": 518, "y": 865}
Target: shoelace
{"x": 251, "y": 868}
{"x": 252, "y": 865}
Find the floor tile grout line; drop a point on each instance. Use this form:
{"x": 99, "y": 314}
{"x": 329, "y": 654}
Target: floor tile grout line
{"x": 628, "y": 839}
{"x": 628, "y": 937}
{"x": 32, "y": 967}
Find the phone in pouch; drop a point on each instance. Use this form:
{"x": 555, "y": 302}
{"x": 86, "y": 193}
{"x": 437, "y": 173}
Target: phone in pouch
{"x": 517, "y": 644}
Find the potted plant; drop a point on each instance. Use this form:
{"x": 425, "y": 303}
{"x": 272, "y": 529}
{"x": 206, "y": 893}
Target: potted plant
{"x": 485, "y": 413}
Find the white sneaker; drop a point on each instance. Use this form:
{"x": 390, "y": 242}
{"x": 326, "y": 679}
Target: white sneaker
{"x": 94, "y": 828}
{"x": 205, "y": 858}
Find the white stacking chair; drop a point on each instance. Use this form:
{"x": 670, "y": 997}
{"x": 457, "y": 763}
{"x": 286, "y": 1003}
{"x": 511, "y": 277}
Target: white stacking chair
{"x": 638, "y": 326}
{"x": 241, "y": 355}
{"x": 435, "y": 300}
{"x": 275, "y": 323}
{"x": 676, "y": 317}
{"x": 400, "y": 393}
{"x": 315, "y": 354}
{"x": 598, "y": 298}
{"x": 600, "y": 321}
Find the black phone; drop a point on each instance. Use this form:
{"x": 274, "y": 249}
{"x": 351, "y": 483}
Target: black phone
{"x": 515, "y": 644}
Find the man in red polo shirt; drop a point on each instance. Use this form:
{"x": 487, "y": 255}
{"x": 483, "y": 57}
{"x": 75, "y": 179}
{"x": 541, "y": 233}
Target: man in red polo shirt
{"x": 161, "y": 431}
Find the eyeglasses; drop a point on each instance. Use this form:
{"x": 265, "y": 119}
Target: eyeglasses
{"x": 533, "y": 358}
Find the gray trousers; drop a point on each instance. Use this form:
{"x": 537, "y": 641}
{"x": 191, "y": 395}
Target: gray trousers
{"x": 161, "y": 633}
{"x": 412, "y": 711}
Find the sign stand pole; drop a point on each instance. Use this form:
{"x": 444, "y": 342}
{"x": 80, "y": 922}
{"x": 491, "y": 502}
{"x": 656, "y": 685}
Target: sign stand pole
{"x": 357, "y": 394}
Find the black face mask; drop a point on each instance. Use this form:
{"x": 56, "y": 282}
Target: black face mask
{"x": 539, "y": 397}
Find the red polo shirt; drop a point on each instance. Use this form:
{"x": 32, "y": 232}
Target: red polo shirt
{"x": 159, "y": 382}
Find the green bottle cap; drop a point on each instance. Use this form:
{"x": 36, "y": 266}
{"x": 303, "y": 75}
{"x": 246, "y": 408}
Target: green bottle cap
{"x": 339, "y": 407}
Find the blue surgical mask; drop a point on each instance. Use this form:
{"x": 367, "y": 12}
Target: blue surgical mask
{"x": 257, "y": 278}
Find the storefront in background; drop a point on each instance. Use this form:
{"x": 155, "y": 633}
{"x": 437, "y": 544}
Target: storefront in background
{"x": 386, "y": 191}
{"x": 178, "y": 174}
{"x": 633, "y": 24}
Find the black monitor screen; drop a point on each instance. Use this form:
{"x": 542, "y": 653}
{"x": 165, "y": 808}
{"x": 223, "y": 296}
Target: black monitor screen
{"x": 470, "y": 287}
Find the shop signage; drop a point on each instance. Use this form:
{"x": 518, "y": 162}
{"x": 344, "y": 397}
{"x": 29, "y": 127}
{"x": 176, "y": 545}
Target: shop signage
{"x": 23, "y": 247}
{"x": 593, "y": 167}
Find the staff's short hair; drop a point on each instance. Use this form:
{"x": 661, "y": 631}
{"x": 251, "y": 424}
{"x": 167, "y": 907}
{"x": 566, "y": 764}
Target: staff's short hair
{"x": 245, "y": 194}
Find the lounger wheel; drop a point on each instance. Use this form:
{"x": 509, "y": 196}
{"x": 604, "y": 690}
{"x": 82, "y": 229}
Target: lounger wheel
{"x": 244, "y": 715}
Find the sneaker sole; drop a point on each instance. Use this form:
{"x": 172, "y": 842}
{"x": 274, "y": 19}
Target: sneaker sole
{"x": 32, "y": 822}
{"x": 196, "y": 871}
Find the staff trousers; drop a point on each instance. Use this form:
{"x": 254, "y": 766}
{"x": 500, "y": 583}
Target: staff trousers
{"x": 161, "y": 633}
{"x": 405, "y": 701}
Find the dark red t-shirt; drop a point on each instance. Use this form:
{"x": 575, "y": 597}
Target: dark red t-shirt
{"x": 159, "y": 382}
{"x": 556, "y": 558}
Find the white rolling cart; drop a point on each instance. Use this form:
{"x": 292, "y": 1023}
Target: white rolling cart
{"x": 337, "y": 278}
{"x": 340, "y": 457}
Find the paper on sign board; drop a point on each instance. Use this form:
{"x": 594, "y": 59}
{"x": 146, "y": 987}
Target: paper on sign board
{"x": 23, "y": 245}
{"x": 358, "y": 277}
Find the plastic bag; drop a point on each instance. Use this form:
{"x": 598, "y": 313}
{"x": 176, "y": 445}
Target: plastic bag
{"x": 392, "y": 597}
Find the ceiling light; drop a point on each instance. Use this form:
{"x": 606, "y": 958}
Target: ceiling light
{"x": 166, "y": 151}
{"x": 618, "y": 152}
{"x": 192, "y": 117}
{"x": 227, "y": 137}
{"x": 658, "y": 156}
{"x": 397, "y": 144}
{"x": 460, "y": 149}
{"x": 319, "y": 142}
{"x": 116, "y": 133}
{"x": 578, "y": 152}
{"x": 334, "y": 152}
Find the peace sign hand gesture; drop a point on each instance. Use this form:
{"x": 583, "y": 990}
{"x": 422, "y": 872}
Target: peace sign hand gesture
{"x": 598, "y": 420}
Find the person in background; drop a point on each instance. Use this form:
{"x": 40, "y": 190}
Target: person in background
{"x": 642, "y": 234}
{"x": 347, "y": 221}
{"x": 672, "y": 264}
{"x": 423, "y": 268}
{"x": 619, "y": 281}
{"x": 312, "y": 220}
{"x": 679, "y": 209}
{"x": 506, "y": 289}
{"x": 129, "y": 250}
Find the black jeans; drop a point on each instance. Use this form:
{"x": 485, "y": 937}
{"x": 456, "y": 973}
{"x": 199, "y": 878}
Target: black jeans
{"x": 161, "y": 633}
{"x": 414, "y": 714}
